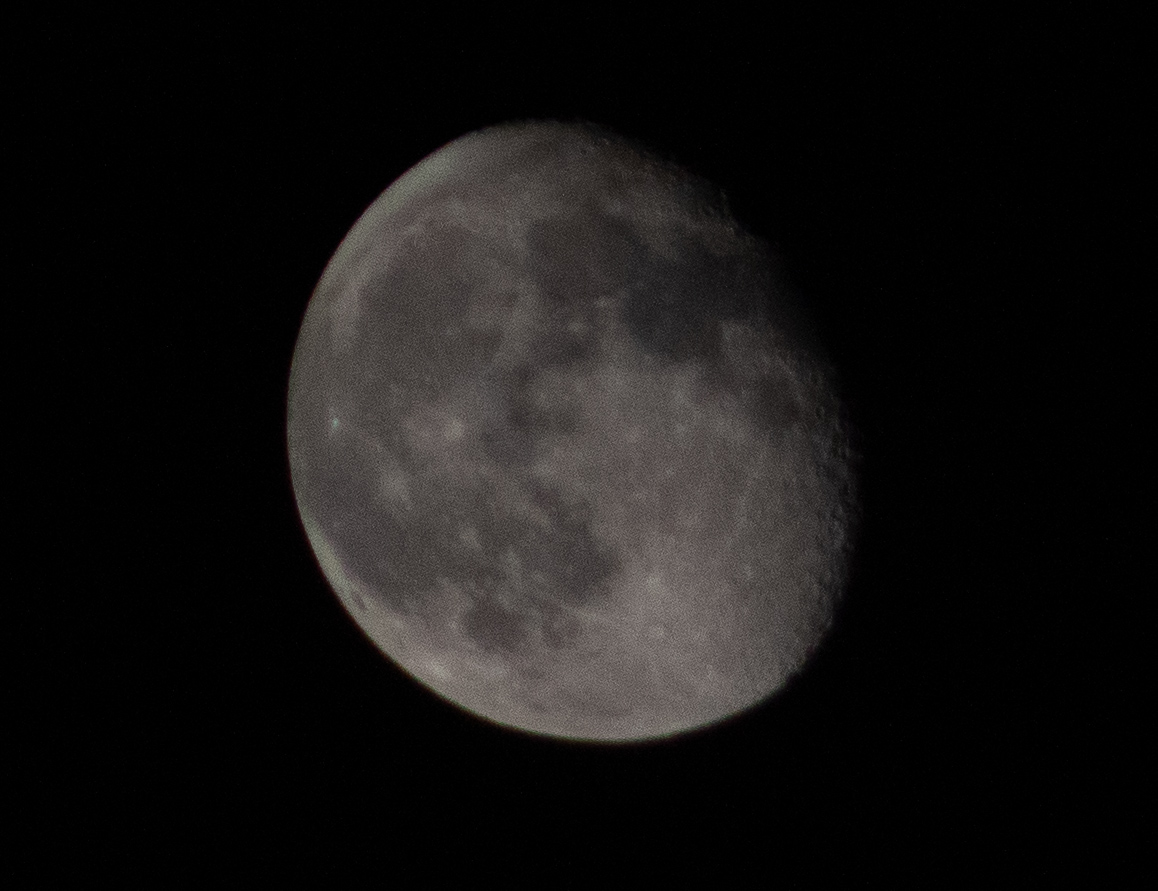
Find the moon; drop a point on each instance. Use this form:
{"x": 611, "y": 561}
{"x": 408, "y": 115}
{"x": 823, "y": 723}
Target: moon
{"x": 563, "y": 444}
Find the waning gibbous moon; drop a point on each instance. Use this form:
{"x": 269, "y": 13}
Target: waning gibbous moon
{"x": 561, "y": 444}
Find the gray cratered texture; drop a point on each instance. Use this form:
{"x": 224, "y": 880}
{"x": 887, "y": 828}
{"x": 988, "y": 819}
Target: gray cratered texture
{"x": 560, "y": 446}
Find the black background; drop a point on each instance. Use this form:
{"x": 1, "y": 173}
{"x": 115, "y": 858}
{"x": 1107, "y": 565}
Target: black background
{"x": 956, "y": 198}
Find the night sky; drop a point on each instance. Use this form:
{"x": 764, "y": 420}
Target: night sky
{"x": 955, "y": 198}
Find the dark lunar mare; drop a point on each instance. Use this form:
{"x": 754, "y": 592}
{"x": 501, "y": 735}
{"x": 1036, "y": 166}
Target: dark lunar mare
{"x": 672, "y": 306}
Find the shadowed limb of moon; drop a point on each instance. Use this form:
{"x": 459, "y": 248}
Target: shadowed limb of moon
{"x": 559, "y": 445}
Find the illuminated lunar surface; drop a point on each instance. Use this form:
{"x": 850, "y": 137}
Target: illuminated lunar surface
{"x": 560, "y": 446}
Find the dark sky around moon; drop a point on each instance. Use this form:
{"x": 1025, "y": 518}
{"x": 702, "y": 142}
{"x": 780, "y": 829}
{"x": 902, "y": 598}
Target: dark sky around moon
{"x": 955, "y": 199}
